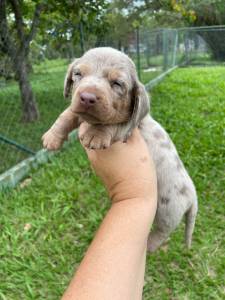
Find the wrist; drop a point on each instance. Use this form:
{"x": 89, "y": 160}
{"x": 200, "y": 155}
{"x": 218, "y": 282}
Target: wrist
{"x": 140, "y": 211}
{"x": 133, "y": 189}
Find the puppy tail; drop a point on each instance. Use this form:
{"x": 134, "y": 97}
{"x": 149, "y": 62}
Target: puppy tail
{"x": 190, "y": 217}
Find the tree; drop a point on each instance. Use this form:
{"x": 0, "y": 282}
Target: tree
{"x": 195, "y": 13}
{"x": 75, "y": 23}
{"x": 19, "y": 21}
{"x": 15, "y": 38}
{"x": 210, "y": 13}
{"x": 123, "y": 17}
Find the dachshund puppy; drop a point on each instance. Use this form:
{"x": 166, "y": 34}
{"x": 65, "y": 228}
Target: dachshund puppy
{"x": 109, "y": 98}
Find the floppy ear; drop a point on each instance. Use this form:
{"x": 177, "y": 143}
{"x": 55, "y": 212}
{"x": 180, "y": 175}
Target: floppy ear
{"x": 69, "y": 79}
{"x": 141, "y": 104}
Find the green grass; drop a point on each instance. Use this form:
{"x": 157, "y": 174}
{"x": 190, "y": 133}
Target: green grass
{"x": 190, "y": 104}
{"x": 47, "y": 83}
{"x": 204, "y": 59}
{"x": 147, "y": 76}
{"x": 64, "y": 204}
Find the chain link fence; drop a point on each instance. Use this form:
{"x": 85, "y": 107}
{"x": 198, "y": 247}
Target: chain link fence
{"x": 155, "y": 53}
{"x": 163, "y": 49}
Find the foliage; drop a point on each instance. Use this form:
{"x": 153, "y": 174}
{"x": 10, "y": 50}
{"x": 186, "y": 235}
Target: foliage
{"x": 47, "y": 225}
{"x": 200, "y": 13}
{"x": 205, "y": 13}
{"x": 191, "y": 12}
{"x": 59, "y": 26}
{"x": 47, "y": 83}
{"x": 125, "y": 17}
{"x": 16, "y": 34}
{"x": 65, "y": 26}
{"x": 19, "y": 22}
{"x": 176, "y": 13}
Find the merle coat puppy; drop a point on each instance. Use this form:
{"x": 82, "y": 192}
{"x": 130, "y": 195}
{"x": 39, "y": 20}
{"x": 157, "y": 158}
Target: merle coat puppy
{"x": 109, "y": 98}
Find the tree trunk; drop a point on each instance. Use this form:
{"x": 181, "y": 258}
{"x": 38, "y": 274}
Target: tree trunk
{"x": 29, "y": 108}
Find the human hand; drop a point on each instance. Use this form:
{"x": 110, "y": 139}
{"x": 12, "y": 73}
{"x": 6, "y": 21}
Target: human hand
{"x": 126, "y": 169}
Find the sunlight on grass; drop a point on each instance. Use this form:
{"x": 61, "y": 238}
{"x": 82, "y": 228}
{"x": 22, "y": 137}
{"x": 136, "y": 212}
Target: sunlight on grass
{"x": 47, "y": 225}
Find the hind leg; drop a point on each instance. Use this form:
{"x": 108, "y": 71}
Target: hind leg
{"x": 166, "y": 221}
{"x": 156, "y": 238}
{"x": 190, "y": 217}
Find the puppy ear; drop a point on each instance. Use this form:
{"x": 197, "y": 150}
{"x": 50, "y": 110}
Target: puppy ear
{"x": 141, "y": 104}
{"x": 69, "y": 79}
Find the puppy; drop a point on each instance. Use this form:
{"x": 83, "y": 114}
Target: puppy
{"x": 109, "y": 98}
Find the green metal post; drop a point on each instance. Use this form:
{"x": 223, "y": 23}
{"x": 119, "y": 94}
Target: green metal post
{"x": 165, "y": 49}
{"x": 175, "y": 48}
{"x": 81, "y": 37}
{"x": 186, "y": 47}
{"x": 138, "y": 53}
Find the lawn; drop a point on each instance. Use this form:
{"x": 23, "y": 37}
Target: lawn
{"x": 49, "y": 220}
{"x": 47, "y": 83}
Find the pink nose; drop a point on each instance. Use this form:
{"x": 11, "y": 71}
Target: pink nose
{"x": 87, "y": 99}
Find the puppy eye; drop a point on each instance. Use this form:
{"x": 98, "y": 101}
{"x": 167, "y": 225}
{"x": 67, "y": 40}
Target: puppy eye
{"x": 116, "y": 83}
{"x": 77, "y": 73}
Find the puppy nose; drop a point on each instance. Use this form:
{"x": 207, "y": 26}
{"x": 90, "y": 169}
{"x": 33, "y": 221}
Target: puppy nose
{"x": 87, "y": 99}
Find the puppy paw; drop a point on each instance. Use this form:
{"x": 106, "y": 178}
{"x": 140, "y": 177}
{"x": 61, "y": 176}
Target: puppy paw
{"x": 96, "y": 142}
{"x": 94, "y": 138}
{"x": 51, "y": 141}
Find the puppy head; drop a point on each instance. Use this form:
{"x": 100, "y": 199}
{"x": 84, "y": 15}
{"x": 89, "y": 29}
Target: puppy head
{"x": 105, "y": 88}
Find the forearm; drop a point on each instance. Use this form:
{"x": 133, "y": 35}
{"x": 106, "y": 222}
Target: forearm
{"x": 58, "y": 133}
{"x": 65, "y": 123}
{"x": 113, "y": 267}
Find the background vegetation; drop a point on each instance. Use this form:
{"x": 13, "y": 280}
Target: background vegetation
{"x": 48, "y": 222}
{"x": 38, "y": 39}
{"x": 32, "y": 31}
{"x": 47, "y": 83}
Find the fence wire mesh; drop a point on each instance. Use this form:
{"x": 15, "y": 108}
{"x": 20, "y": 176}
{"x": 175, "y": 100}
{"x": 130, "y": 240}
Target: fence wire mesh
{"x": 153, "y": 51}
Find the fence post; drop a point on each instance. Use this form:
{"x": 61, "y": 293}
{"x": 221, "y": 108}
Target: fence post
{"x": 81, "y": 36}
{"x": 175, "y": 48}
{"x": 186, "y": 46}
{"x": 165, "y": 49}
{"x": 138, "y": 52}
{"x": 148, "y": 49}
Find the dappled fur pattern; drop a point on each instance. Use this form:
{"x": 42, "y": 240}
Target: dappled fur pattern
{"x": 107, "y": 95}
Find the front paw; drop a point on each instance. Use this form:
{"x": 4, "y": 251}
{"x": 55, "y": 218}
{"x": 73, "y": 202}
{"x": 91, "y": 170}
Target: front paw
{"x": 93, "y": 138}
{"x": 51, "y": 141}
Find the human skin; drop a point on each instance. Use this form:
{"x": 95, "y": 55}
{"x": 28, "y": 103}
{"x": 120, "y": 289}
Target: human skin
{"x": 114, "y": 264}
